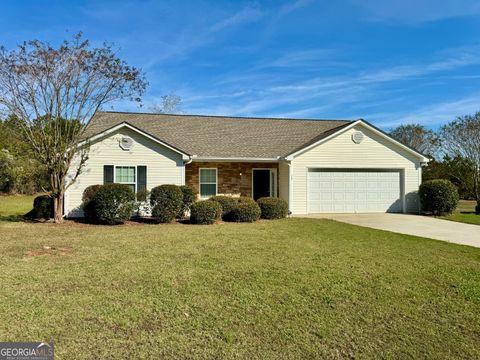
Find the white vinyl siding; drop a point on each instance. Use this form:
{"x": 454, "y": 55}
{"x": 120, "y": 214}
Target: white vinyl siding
{"x": 208, "y": 182}
{"x": 340, "y": 152}
{"x": 164, "y": 165}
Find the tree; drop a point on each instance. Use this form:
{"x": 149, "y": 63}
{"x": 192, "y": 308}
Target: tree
{"x": 170, "y": 104}
{"x": 417, "y": 137}
{"x": 461, "y": 139}
{"x": 20, "y": 171}
{"x": 54, "y": 91}
{"x": 458, "y": 170}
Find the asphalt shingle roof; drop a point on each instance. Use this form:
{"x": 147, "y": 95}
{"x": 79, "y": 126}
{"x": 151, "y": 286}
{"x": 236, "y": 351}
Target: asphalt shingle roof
{"x": 223, "y": 137}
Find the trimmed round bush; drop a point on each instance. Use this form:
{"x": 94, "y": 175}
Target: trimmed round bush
{"x": 166, "y": 201}
{"x": 205, "y": 212}
{"x": 227, "y": 203}
{"x": 187, "y": 201}
{"x": 245, "y": 199}
{"x": 114, "y": 203}
{"x": 245, "y": 211}
{"x": 142, "y": 195}
{"x": 438, "y": 196}
{"x": 42, "y": 208}
{"x": 273, "y": 208}
{"x": 89, "y": 192}
{"x": 88, "y": 205}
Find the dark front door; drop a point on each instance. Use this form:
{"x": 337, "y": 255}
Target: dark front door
{"x": 261, "y": 183}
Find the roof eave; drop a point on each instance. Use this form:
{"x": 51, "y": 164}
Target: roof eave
{"x": 196, "y": 158}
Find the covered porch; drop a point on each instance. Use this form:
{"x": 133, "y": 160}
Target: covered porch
{"x": 252, "y": 179}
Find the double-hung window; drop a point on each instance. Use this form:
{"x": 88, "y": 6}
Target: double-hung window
{"x": 126, "y": 175}
{"x": 208, "y": 183}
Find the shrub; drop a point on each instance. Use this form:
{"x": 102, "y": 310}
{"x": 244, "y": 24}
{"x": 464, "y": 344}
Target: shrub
{"x": 245, "y": 211}
{"x": 88, "y": 205}
{"x": 477, "y": 209}
{"x": 187, "y": 201}
{"x": 245, "y": 200}
{"x": 114, "y": 203}
{"x": 166, "y": 201}
{"x": 273, "y": 208}
{"x": 227, "y": 203}
{"x": 89, "y": 192}
{"x": 205, "y": 212}
{"x": 42, "y": 208}
{"x": 142, "y": 195}
{"x": 438, "y": 196}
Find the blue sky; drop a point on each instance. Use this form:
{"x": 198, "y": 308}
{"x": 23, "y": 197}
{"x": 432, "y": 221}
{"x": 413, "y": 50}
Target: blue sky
{"x": 389, "y": 62}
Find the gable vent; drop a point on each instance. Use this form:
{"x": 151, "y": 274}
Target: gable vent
{"x": 126, "y": 143}
{"x": 357, "y": 137}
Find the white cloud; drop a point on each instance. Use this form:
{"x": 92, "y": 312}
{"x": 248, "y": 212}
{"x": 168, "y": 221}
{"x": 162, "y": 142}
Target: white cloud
{"x": 431, "y": 115}
{"x": 417, "y": 11}
{"x": 248, "y": 14}
{"x": 292, "y": 6}
{"x": 259, "y": 93}
{"x": 305, "y": 58}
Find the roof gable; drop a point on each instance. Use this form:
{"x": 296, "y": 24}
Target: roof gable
{"x": 327, "y": 136}
{"x": 139, "y": 131}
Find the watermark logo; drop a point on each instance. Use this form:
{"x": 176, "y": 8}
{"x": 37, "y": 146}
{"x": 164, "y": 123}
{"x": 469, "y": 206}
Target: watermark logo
{"x": 26, "y": 351}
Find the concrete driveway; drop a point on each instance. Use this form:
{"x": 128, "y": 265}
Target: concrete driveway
{"x": 417, "y": 225}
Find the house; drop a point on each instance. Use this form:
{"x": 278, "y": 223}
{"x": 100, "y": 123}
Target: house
{"x": 315, "y": 165}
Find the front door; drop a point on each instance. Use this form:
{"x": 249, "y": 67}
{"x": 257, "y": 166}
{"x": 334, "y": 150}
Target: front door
{"x": 262, "y": 184}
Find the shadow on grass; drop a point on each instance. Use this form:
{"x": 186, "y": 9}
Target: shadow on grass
{"x": 132, "y": 221}
{"x": 14, "y": 218}
{"x": 21, "y": 218}
{"x": 153, "y": 221}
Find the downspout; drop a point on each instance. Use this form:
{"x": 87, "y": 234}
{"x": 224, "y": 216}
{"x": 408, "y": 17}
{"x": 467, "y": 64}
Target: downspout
{"x": 420, "y": 176}
{"x": 289, "y": 188}
{"x": 189, "y": 161}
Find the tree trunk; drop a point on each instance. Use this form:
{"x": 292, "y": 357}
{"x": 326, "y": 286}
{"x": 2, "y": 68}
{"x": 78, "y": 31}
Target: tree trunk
{"x": 58, "y": 208}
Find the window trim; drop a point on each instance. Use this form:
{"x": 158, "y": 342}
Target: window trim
{"x": 128, "y": 166}
{"x": 200, "y": 182}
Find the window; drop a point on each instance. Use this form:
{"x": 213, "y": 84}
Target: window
{"x": 208, "y": 183}
{"x": 126, "y": 175}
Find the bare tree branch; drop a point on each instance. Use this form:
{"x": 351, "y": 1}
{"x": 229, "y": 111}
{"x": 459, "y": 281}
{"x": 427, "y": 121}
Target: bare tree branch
{"x": 461, "y": 138}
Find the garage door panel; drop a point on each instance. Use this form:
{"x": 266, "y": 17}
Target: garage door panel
{"x": 354, "y": 190}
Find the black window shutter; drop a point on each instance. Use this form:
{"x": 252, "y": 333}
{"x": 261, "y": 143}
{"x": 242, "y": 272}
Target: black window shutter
{"x": 107, "y": 174}
{"x": 142, "y": 178}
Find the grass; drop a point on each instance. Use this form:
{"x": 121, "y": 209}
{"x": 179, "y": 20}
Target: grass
{"x": 294, "y": 288}
{"x": 465, "y": 213}
{"x": 13, "y": 207}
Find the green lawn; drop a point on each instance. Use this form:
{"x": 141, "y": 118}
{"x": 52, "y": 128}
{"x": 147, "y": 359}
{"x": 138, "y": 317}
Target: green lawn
{"x": 465, "y": 213}
{"x": 13, "y": 207}
{"x": 295, "y": 288}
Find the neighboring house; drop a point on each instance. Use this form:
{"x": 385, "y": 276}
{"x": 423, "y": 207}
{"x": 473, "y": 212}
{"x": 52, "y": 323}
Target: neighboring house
{"x": 315, "y": 165}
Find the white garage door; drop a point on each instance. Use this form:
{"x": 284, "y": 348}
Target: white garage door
{"x": 354, "y": 190}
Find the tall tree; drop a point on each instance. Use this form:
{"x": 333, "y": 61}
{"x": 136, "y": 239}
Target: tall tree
{"x": 54, "y": 91}
{"x": 417, "y": 137}
{"x": 170, "y": 104}
{"x": 461, "y": 138}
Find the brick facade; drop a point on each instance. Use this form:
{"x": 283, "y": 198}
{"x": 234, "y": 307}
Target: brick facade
{"x": 230, "y": 182}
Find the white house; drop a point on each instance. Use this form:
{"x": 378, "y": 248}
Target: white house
{"x": 315, "y": 165}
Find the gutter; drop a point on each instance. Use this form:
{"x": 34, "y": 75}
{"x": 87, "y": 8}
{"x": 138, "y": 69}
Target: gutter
{"x": 234, "y": 159}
